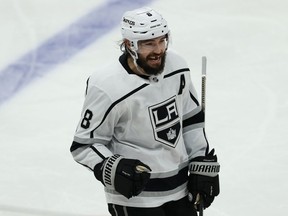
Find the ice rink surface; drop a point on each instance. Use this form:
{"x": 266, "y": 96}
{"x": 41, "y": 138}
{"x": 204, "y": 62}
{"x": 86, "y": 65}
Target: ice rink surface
{"x": 49, "y": 48}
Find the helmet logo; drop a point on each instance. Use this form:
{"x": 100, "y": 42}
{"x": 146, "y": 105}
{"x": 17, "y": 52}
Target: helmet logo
{"x": 130, "y": 22}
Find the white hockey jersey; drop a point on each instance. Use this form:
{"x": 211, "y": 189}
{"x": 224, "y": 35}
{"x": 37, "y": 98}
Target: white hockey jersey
{"x": 157, "y": 120}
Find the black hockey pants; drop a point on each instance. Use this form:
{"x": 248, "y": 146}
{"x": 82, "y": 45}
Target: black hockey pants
{"x": 180, "y": 207}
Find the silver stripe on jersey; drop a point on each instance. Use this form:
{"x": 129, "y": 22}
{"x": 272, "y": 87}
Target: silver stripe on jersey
{"x": 193, "y": 127}
{"x": 168, "y": 174}
{"x": 192, "y": 113}
{"x": 90, "y": 141}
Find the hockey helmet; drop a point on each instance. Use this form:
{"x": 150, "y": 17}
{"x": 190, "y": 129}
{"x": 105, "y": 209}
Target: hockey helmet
{"x": 142, "y": 24}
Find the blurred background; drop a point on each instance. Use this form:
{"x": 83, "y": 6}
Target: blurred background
{"x": 49, "y": 49}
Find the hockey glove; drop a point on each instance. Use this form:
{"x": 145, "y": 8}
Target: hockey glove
{"x": 204, "y": 179}
{"x": 127, "y": 176}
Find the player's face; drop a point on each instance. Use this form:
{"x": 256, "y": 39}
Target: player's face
{"x": 151, "y": 55}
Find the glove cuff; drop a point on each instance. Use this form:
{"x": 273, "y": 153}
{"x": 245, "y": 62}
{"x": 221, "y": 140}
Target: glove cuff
{"x": 210, "y": 169}
{"x": 109, "y": 170}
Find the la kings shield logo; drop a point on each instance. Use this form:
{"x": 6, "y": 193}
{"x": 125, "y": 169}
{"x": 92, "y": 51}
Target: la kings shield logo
{"x": 166, "y": 122}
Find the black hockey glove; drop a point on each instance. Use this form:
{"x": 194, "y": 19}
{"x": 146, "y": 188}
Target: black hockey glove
{"x": 204, "y": 179}
{"x": 127, "y": 176}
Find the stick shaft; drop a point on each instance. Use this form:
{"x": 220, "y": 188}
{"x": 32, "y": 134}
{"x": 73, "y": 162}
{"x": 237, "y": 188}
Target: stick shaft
{"x": 201, "y": 207}
{"x": 203, "y": 87}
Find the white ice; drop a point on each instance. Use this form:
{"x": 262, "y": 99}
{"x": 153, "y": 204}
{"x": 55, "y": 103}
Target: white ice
{"x": 246, "y": 43}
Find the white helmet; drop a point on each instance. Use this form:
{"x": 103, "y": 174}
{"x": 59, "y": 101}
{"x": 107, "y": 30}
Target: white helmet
{"x": 142, "y": 24}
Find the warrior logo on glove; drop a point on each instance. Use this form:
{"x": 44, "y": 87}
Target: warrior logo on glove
{"x": 204, "y": 179}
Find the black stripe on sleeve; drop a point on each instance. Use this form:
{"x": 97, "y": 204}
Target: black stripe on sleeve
{"x": 194, "y": 99}
{"x": 115, "y": 103}
{"x": 76, "y": 145}
{"x": 87, "y": 83}
{"x": 97, "y": 152}
{"x": 207, "y": 148}
{"x": 198, "y": 118}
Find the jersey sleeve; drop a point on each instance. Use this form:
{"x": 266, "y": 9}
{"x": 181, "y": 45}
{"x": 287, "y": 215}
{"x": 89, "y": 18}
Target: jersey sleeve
{"x": 95, "y": 128}
{"x": 193, "y": 123}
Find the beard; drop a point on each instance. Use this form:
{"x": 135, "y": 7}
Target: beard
{"x": 149, "y": 70}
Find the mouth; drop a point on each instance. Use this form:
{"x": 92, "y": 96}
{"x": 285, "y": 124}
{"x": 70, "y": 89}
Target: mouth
{"x": 153, "y": 64}
{"x": 154, "y": 60}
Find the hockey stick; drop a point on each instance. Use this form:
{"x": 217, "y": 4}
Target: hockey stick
{"x": 199, "y": 200}
{"x": 203, "y": 105}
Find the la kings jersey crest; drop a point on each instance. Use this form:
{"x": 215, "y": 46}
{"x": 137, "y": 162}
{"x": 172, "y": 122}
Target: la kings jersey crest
{"x": 166, "y": 122}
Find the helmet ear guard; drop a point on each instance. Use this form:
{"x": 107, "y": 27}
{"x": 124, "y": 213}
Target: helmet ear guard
{"x": 134, "y": 48}
{"x": 131, "y": 47}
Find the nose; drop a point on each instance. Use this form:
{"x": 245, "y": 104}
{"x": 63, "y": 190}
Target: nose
{"x": 158, "y": 48}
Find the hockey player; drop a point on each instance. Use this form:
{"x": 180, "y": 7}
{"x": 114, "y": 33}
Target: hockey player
{"x": 141, "y": 127}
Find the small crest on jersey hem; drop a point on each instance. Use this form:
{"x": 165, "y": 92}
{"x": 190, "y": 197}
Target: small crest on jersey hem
{"x": 165, "y": 121}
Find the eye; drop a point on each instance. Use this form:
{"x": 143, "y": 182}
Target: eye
{"x": 148, "y": 44}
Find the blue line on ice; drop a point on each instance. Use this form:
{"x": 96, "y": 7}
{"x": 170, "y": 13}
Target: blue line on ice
{"x": 62, "y": 46}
